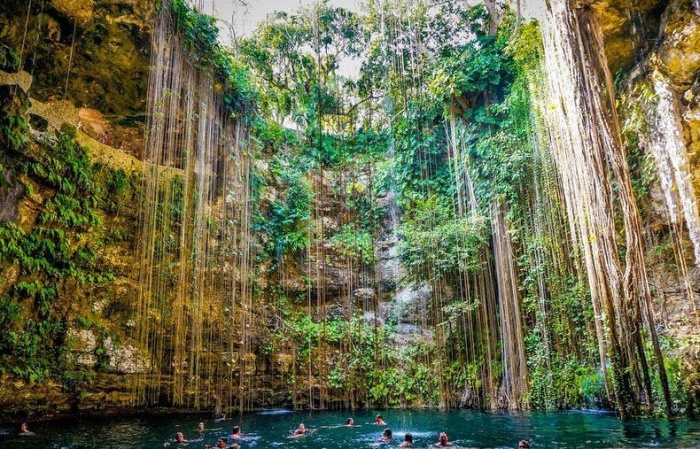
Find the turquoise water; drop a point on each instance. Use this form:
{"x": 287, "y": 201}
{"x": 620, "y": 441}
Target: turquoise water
{"x": 271, "y": 429}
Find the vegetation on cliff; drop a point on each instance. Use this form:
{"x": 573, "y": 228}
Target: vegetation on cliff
{"x": 52, "y": 254}
{"x": 402, "y": 236}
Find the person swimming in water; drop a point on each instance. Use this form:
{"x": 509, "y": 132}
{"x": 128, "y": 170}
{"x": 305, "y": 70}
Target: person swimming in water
{"x": 236, "y": 433}
{"x": 407, "y": 441}
{"x": 180, "y": 438}
{"x": 221, "y": 443}
{"x": 24, "y": 429}
{"x": 442, "y": 440}
{"x": 349, "y": 422}
{"x": 386, "y": 436}
{"x": 379, "y": 421}
{"x": 200, "y": 427}
{"x": 299, "y": 431}
{"x": 523, "y": 444}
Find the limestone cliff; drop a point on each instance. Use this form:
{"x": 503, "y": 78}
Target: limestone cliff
{"x": 650, "y": 44}
{"x": 85, "y": 63}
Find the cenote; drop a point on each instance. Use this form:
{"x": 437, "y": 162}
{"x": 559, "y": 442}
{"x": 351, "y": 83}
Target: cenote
{"x": 488, "y": 207}
{"x": 269, "y": 429}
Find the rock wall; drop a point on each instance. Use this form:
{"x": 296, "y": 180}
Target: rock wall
{"x": 99, "y": 49}
{"x": 94, "y": 53}
{"x": 647, "y": 42}
{"x": 84, "y": 63}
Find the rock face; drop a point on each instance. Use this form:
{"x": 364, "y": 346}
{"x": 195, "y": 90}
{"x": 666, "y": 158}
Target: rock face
{"x": 78, "y": 54}
{"x": 100, "y": 51}
{"x": 662, "y": 38}
{"x": 10, "y": 193}
{"x": 678, "y": 55}
{"x": 627, "y": 28}
{"x": 95, "y": 54}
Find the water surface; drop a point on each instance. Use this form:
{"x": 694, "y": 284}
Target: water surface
{"x": 271, "y": 429}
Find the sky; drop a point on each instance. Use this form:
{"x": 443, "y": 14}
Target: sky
{"x": 239, "y": 18}
{"x": 244, "y": 15}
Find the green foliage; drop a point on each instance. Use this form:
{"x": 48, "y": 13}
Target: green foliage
{"x": 9, "y": 59}
{"x": 296, "y": 58}
{"x": 438, "y": 245}
{"x": 437, "y": 64}
{"x": 287, "y": 220}
{"x": 199, "y": 34}
{"x": 635, "y": 128}
{"x": 117, "y": 188}
{"x": 13, "y": 123}
{"x": 270, "y": 136}
{"x": 362, "y": 361}
{"x": 354, "y": 244}
{"x": 52, "y": 258}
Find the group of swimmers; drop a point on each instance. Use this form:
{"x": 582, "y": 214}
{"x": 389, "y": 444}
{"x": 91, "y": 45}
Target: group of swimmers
{"x": 443, "y": 440}
{"x": 386, "y": 437}
{"x": 221, "y": 442}
{"x": 236, "y": 434}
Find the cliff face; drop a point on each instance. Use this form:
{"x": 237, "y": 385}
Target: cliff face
{"x": 85, "y": 63}
{"x": 94, "y": 53}
{"x": 657, "y": 36}
{"x": 654, "y": 49}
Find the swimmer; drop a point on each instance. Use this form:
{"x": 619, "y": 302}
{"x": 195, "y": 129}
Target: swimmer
{"x": 407, "y": 441}
{"x": 523, "y": 444}
{"x": 236, "y": 433}
{"x": 386, "y": 436}
{"x": 24, "y": 429}
{"x": 349, "y": 422}
{"x": 234, "y": 446}
{"x": 180, "y": 438}
{"x": 200, "y": 427}
{"x": 221, "y": 443}
{"x": 221, "y": 418}
{"x": 379, "y": 421}
{"x": 299, "y": 431}
{"x": 442, "y": 440}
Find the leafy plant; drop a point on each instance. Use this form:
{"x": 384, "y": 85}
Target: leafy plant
{"x": 53, "y": 257}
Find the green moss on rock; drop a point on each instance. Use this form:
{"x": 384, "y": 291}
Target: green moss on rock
{"x": 109, "y": 42}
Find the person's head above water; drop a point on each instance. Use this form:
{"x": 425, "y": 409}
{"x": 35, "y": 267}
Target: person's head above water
{"x": 200, "y": 426}
{"x": 236, "y": 430}
{"x": 408, "y": 438}
{"x": 386, "y": 434}
{"x": 442, "y": 439}
{"x": 379, "y": 420}
{"x": 180, "y": 437}
{"x": 523, "y": 444}
{"x": 221, "y": 442}
{"x": 301, "y": 430}
{"x": 23, "y": 428}
{"x": 349, "y": 422}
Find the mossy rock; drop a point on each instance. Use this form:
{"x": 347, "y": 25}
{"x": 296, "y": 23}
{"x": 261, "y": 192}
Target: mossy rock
{"x": 79, "y": 10}
{"x": 99, "y": 50}
{"x": 625, "y": 33}
{"x": 679, "y": 55}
